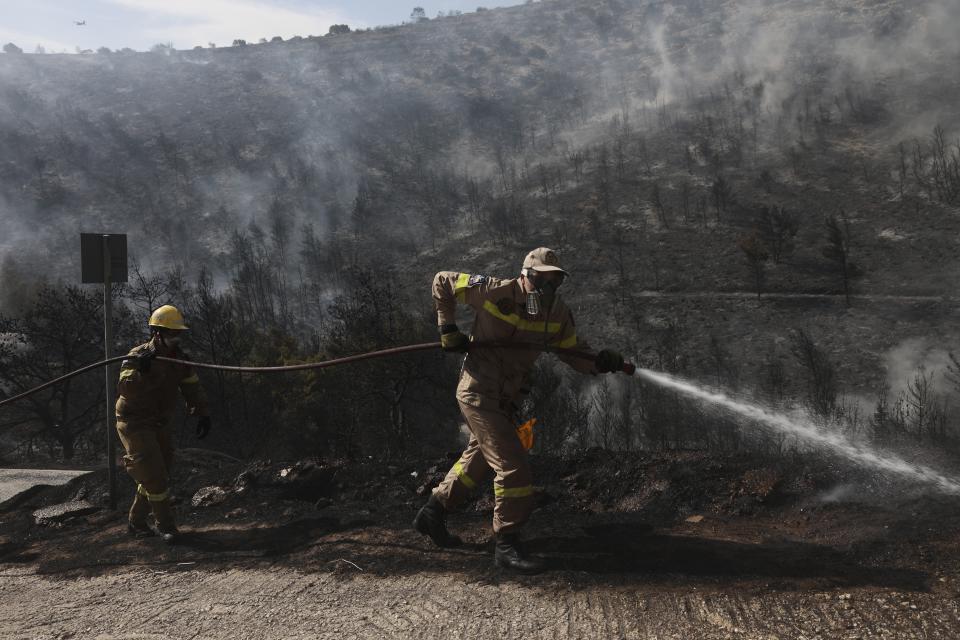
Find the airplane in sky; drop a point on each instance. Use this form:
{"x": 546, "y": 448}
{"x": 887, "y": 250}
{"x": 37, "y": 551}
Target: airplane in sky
{"x": 79, "y": 23}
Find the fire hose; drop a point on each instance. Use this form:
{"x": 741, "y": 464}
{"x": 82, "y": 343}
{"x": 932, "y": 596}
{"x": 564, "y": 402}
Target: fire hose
{"x": 628, "y": 368}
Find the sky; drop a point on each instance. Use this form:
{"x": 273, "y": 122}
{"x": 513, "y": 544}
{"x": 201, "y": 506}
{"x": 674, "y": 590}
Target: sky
{"x": 140, "y": 24}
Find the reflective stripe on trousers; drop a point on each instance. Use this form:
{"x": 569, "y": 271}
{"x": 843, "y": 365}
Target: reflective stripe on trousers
{"x": 494, "y": 447}
{"x": 153, "y": 497}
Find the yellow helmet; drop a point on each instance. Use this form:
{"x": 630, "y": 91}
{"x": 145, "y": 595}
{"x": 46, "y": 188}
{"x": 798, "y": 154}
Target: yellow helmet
{"x": 167, "y": 317}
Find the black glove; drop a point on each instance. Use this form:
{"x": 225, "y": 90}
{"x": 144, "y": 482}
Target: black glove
{"x": 453, "y": 340}
{"x": 203, "y": 427}
{"x": 609, "y": 361}
{"x": 144, "y": 359}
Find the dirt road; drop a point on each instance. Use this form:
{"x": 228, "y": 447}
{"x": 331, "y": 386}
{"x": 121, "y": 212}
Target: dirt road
{"x": 266, "y": 566}
{"x": 271, "y": 601}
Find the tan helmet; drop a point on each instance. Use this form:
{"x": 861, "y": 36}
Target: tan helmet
{"x": 543, "y": 259}
{"x": 167, "y": 317}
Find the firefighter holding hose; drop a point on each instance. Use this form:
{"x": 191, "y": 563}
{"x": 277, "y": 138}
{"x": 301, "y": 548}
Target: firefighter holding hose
{"x": 147, "y": 396}
{"x": 524, "y": 310}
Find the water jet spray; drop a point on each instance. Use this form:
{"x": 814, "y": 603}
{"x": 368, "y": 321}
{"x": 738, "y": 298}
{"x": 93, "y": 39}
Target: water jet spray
{"x": 808, "y": 433}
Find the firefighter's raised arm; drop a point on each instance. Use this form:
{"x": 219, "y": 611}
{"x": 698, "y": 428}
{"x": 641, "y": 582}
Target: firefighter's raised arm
{"x": 449, "y": 288}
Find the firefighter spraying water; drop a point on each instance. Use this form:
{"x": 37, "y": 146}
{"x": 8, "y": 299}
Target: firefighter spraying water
{"x": 523, "y": 311}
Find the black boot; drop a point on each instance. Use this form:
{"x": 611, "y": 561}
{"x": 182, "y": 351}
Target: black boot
{"x": 431, "y": 521}
{"x": 170, "y": 536}
{"x": 510, "y": 555}
{"x": 166, "y": 527}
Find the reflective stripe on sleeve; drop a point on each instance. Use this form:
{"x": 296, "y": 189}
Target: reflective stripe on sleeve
{"x": 463, "y": 477}
{"x": 514, "y": 492}
{"x": 518, "y": 322}
{"x": 126, "y": 373}
{"x": 460, "y": 288}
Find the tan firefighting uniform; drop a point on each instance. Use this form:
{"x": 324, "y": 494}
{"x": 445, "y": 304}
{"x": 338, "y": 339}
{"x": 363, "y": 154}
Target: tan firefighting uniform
{"x": 491, "y": 385}
{"x": 145, "y": 407}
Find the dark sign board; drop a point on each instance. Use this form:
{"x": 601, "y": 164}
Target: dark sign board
{"x": 91, "y": 257}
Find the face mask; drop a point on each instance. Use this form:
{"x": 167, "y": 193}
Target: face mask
{"x": 533, "y": 303}
{"x": 549, "y": 289}
{"x": 544, "y": 293}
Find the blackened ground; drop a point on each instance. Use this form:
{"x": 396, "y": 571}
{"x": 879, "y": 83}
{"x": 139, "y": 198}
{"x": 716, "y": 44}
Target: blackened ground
{"x": 666, "y": 545}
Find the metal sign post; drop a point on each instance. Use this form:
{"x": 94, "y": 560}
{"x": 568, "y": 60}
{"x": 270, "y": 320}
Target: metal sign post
{"x": 103, "y": 258}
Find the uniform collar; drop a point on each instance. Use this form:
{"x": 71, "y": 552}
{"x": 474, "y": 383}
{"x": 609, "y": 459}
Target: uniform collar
{"x": 519, "y": 295}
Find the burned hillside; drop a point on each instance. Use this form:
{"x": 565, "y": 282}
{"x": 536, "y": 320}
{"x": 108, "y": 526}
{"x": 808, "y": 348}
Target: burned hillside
{"x": 759, "y": 196}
